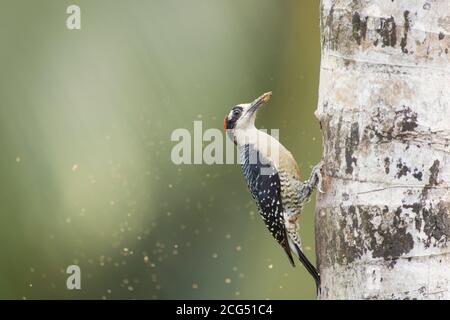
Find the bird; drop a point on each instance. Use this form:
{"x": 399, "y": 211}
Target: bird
{"x": 273, "y": 178}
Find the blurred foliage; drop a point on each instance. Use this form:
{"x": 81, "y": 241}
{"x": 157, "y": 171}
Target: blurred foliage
{"x": 85, "y": 124}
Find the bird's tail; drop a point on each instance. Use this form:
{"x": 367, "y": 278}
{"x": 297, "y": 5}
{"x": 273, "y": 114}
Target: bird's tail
{"x": 309, "y": 266}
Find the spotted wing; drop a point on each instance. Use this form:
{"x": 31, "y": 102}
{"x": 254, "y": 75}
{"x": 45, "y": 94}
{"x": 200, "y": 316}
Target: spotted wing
{"x": 265, "y": 187}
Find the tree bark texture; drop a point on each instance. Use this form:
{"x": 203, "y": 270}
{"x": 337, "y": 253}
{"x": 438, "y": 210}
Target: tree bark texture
{"x": 382, "y": 225}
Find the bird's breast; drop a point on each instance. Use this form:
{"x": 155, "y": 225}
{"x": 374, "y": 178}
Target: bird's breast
{"x": 289, "y": 189}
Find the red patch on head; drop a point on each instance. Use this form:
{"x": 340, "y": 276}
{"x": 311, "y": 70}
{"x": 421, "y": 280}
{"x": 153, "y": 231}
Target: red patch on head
{"x": 225, "y": 123}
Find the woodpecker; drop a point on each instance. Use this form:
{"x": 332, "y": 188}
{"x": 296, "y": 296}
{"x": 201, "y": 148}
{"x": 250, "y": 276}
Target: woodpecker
{"x": 273, "y": 177}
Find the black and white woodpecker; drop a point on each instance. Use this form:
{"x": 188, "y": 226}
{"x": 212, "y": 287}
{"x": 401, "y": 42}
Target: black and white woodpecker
{"x": 273, "y": 178}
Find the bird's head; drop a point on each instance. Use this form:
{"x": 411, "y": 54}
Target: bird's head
{"x": 242, "y": 117}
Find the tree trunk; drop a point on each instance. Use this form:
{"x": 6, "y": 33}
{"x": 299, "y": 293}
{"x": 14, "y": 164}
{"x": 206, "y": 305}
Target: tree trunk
{"x": 382, "y": 225}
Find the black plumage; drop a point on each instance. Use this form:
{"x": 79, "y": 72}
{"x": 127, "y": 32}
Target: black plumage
{"x": 265, "y": 186}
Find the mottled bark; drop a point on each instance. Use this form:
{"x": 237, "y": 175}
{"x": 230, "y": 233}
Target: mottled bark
{"x": 382, "y": 225}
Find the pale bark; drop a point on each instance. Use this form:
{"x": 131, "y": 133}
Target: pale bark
{"x": 382, "y": 225}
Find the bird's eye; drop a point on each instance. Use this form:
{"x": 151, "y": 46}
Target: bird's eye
{"x": 237, "y": 112}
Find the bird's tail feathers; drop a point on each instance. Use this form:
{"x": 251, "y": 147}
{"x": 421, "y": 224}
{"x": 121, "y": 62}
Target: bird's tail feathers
{"x": 289, "y": 254}
{"x": 309, "y": 266}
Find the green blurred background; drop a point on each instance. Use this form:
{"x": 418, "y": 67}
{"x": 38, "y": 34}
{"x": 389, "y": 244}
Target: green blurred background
{"x": 85, "y": 124}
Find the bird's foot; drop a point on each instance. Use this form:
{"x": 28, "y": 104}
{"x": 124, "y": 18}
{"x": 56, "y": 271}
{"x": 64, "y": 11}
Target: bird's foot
{"x": 317, "y": 173}
{"x": 315, "y": 181}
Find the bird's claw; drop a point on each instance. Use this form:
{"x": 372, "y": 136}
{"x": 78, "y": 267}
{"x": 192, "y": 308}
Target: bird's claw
{"x": 317, "y": 171}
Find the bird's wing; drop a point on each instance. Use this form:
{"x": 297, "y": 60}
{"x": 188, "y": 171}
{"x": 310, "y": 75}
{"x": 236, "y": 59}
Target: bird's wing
{"x": 265, "y": 186}
{"x": 281, "y": 157}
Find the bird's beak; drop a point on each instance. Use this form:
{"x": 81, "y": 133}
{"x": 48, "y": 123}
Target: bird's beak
{"x": 260, "y": 101}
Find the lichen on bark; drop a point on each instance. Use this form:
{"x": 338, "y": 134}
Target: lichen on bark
{"x": 383, "y": 226}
